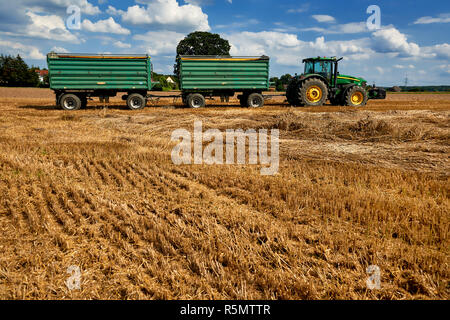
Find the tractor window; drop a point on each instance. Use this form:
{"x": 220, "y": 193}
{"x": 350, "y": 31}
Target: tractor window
{"x": 309, "y": 67}
{"x": 323, "y": 68}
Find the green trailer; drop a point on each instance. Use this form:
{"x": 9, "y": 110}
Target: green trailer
{"x": 75, "y": 78}
{"x": 223, "y": 76}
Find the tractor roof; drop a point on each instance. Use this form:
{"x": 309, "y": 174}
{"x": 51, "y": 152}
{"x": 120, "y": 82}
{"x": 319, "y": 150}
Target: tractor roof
{"x": 321, "y": 59}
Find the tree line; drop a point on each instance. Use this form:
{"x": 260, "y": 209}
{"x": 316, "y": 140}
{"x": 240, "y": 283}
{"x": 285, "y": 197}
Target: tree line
{"x": 14, "y": 72}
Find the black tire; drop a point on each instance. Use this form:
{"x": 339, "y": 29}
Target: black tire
{"x": 196, "y": 100}
{"x": 336, "y": 101}
{"x": 313, "y": 92}
{"x": 291, "y": 94}
{"x": 83, "y": 101}
{"x": 255, "y": 100}
{"x": 70, "y": 102}
{"x": 356, "y": 97}
{"x": 136, "y": 101}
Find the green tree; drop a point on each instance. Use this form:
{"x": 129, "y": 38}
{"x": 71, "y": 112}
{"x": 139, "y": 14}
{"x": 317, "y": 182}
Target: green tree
{"x": 14, "y": 72}
{"x": 202, "y": 43}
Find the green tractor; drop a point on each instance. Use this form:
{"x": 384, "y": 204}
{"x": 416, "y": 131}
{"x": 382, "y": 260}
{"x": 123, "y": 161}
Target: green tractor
{"x": 321, "y": 81}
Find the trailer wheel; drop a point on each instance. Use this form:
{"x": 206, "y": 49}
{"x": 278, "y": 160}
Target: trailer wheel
{"x": 70, "y": 102}
{"x": 255, "y": 100}
{"x": 196, "y": 100}
{"x": 136, "y": 101}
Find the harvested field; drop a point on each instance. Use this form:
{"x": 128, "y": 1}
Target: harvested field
{"x": 96, "y": 188}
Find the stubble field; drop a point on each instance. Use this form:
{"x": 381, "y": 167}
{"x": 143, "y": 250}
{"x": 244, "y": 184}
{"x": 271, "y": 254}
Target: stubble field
{"x": 97, "y": 189}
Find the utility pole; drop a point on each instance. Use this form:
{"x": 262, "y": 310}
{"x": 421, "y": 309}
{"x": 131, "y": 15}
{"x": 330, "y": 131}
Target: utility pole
{"x": 406, "y": 80}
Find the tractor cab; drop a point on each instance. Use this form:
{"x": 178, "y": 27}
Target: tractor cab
{"x": 324, "y": 67}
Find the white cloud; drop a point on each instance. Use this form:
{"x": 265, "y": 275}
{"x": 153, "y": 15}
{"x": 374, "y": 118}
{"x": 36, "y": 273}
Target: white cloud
{"x": 84, "y": 5}
{"x": 445, "y": 68}
{"x": 440, "y": 51}
{"x": 120, "y": 44}
{"x": 399, "y": 66}
{"x": 303, "y": 8}
{"x": 323, "y": 18}
{"x": 48, "y": 27}
{"x": 160, "y": 42}
{"x": 347, "y": 28}
{"x": 287, "y": 49}
{"x": 169, "y": 14}
{"x": 443, "y": 18}
{"x": 59, "y": 50}
{"x": 25, "y": 51}
{"x": 113, "y": 11}
{"x": 104, "y": 26}
{"x": 390, "y": 40}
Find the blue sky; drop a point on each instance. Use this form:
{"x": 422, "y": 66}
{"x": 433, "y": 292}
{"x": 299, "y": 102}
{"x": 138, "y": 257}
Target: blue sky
{"x": 413, "y": 38}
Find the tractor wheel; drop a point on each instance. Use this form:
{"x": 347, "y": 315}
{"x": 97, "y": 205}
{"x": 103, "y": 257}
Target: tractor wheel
{"x": 356, "y": 97}
{"x": 255, "y": 100}
{"x": 196, "y": 100}
{"x": 291, "y": 94}
{"x": 70, "y": 102}
{"x": 313, "y": 92}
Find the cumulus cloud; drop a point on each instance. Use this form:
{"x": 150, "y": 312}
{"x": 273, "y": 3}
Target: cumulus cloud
{"x": 439, "y": 51}
{"x": 323, "y": 18}
{"x": 48, "y": 27}
{"x": 287, "y": 49}
{"x": 167, "y": 13}
{"x": 390, "y": 40}
{"x": 104, "y": 26}
{"x": 25, "y": 51}
{"x": 113, "y": 11}
{"x": 160, "y": 42}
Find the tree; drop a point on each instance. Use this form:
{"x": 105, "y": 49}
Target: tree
{"x": 202, "y": 43}
{"x": 281, "y": 82}
{"x": 14, "y": 72}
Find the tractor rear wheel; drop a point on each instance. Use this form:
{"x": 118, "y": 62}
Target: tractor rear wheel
{"x": 356, "y": 97}
{"x": 313, "y": 92}
{"x": 291, "y": 94}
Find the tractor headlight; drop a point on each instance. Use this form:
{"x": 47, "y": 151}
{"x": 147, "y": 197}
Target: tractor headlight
{"x": 364, "y": 84}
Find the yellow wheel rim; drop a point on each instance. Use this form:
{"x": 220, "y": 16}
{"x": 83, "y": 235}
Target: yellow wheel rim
{"x": 357, "y": 98}
{"x": 314, "y": 94}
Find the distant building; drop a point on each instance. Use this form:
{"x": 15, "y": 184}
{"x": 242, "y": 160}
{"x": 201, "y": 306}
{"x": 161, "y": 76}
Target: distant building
{"x": 170, "y": 80}
{"x": 41, "y": 74}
